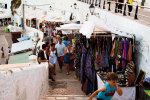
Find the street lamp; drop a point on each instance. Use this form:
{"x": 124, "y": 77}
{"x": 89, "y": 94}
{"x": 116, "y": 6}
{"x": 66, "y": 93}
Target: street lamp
{"x": 75, "y": 6}
{"x": 92, "y": 8}
{"x": 50, "y": 7}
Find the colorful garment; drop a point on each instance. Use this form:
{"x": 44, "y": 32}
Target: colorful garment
{"x": 125, "y": 45}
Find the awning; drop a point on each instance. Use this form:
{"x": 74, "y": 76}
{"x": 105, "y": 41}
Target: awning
{"x": 20, "y": 46}
{"x": 71, "y": 26}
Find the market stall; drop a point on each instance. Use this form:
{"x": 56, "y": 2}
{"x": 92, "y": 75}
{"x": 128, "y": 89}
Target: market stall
{"x": 98, "y": 52}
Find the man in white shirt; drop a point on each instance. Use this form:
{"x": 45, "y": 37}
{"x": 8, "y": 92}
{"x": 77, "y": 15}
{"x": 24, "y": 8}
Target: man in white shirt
{"x": 60, "y": 52}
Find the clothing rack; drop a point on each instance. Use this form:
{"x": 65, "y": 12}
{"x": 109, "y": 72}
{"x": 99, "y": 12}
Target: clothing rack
{"x": 102, "y": 35}
{"x": 109, "y": 34}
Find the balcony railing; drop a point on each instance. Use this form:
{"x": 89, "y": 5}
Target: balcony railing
{"x": 141, "y": 13}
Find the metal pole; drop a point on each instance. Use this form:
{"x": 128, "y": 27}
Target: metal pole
{"x": 104, "y": 5}
{"x": 23, "y": 18}
{"x": 99, "y": 3}
{"x": 136, "y": 12}
{"x": 124, "y": 12}
{"x": 109, "y": 5}
{"x": 116, "y": 8}
{"x": 95, "y": 2}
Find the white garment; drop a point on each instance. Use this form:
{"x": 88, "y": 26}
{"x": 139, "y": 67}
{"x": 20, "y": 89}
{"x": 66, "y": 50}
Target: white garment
{"x": 44, "y": 29}
{"x": 53, "y": 57}
{"x": 60, "y": 49}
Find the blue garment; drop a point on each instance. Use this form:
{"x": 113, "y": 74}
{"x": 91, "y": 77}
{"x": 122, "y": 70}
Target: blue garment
{"x": 53, "y": 57}
{"x": 108, "y": 93}
{"x": 65, "y": 42}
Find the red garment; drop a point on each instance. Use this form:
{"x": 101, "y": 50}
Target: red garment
{"x": 113, "y": 50}
{"x": 129, "y": 57}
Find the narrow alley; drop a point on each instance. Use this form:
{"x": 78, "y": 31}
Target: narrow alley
{"x": 66, "y": 87}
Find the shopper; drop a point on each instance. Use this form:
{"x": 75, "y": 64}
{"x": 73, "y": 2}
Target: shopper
{"x": 68, "y": 57}
{"x": 130, "y": 7}
{"x": 53, "y": 58}
{"x": 42, "y": 55}
{"x": 60, "y": 52}
{"x": 2, "y": 50}
{"x": 108, "y": 90}
{"x": 120, "y": 5}
{"x": 65, "y": 40}
{"x": 47, "y": 51}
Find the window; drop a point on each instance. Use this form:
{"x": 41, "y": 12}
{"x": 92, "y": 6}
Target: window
{"x": 2, "y": 5}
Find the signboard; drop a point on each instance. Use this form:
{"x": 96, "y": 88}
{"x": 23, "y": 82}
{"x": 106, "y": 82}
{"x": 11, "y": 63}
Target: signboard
{"x": 3, "y": 5}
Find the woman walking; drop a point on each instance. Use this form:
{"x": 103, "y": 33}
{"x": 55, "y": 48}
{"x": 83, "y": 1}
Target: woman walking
{"x": 68, "y": 57}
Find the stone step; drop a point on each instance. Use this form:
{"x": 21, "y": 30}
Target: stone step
{"x": 66, "y": 97}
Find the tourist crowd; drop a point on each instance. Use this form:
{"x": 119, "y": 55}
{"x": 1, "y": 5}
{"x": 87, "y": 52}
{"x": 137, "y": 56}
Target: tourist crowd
{"x": 56, "y": 48}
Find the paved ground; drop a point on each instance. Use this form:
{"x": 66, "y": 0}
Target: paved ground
{"x": 66, "y": 87}
{"x": 5, "y": 42}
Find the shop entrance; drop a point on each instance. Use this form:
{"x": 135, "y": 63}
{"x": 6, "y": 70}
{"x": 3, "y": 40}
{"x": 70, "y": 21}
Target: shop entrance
{"x": 33, "y": 22}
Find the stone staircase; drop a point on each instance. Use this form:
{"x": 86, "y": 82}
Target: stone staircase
{"x": 66, "y": 97}
{"x": 66, "y": 87}
{"x": 65, "y": 90}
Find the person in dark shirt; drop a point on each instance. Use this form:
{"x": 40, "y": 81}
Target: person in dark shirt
{"x": 42, "y": 55}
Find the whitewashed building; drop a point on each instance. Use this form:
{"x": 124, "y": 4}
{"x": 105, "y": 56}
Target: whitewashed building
{"x": 5, "y": 12}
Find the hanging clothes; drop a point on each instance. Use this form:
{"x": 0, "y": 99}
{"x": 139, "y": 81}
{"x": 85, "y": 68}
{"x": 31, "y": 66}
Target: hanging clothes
{"x": 116, "y": 47}
{"x": 125, "y": 45}
{"x": 113, "y": 50}
{"x": 130, "y": 53}
{"x": 118, "y": 57}
{"x": 83, "y": 59}
{"x": 88, "y": 65}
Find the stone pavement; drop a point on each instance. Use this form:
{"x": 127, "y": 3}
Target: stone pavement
{"x": 66, "y": 87}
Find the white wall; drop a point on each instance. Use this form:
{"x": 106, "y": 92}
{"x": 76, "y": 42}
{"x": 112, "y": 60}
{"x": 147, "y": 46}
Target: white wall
{"x": 7, "y": 12}
{"x": 26, "y": 82}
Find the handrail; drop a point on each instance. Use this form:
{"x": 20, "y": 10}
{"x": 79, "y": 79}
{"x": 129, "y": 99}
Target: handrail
{"x": 130, "y": 4}
{"x": 123, "y": 9}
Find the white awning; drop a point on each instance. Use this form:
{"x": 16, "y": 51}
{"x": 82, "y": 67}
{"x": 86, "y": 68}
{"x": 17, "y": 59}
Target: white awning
{"x": 20, "y": 46}
{"x": 87, "y": 28}
{"x": 71, "y": 26}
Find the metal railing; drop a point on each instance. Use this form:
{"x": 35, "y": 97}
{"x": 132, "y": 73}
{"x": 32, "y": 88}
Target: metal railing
{"x": 140, "y": 13}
